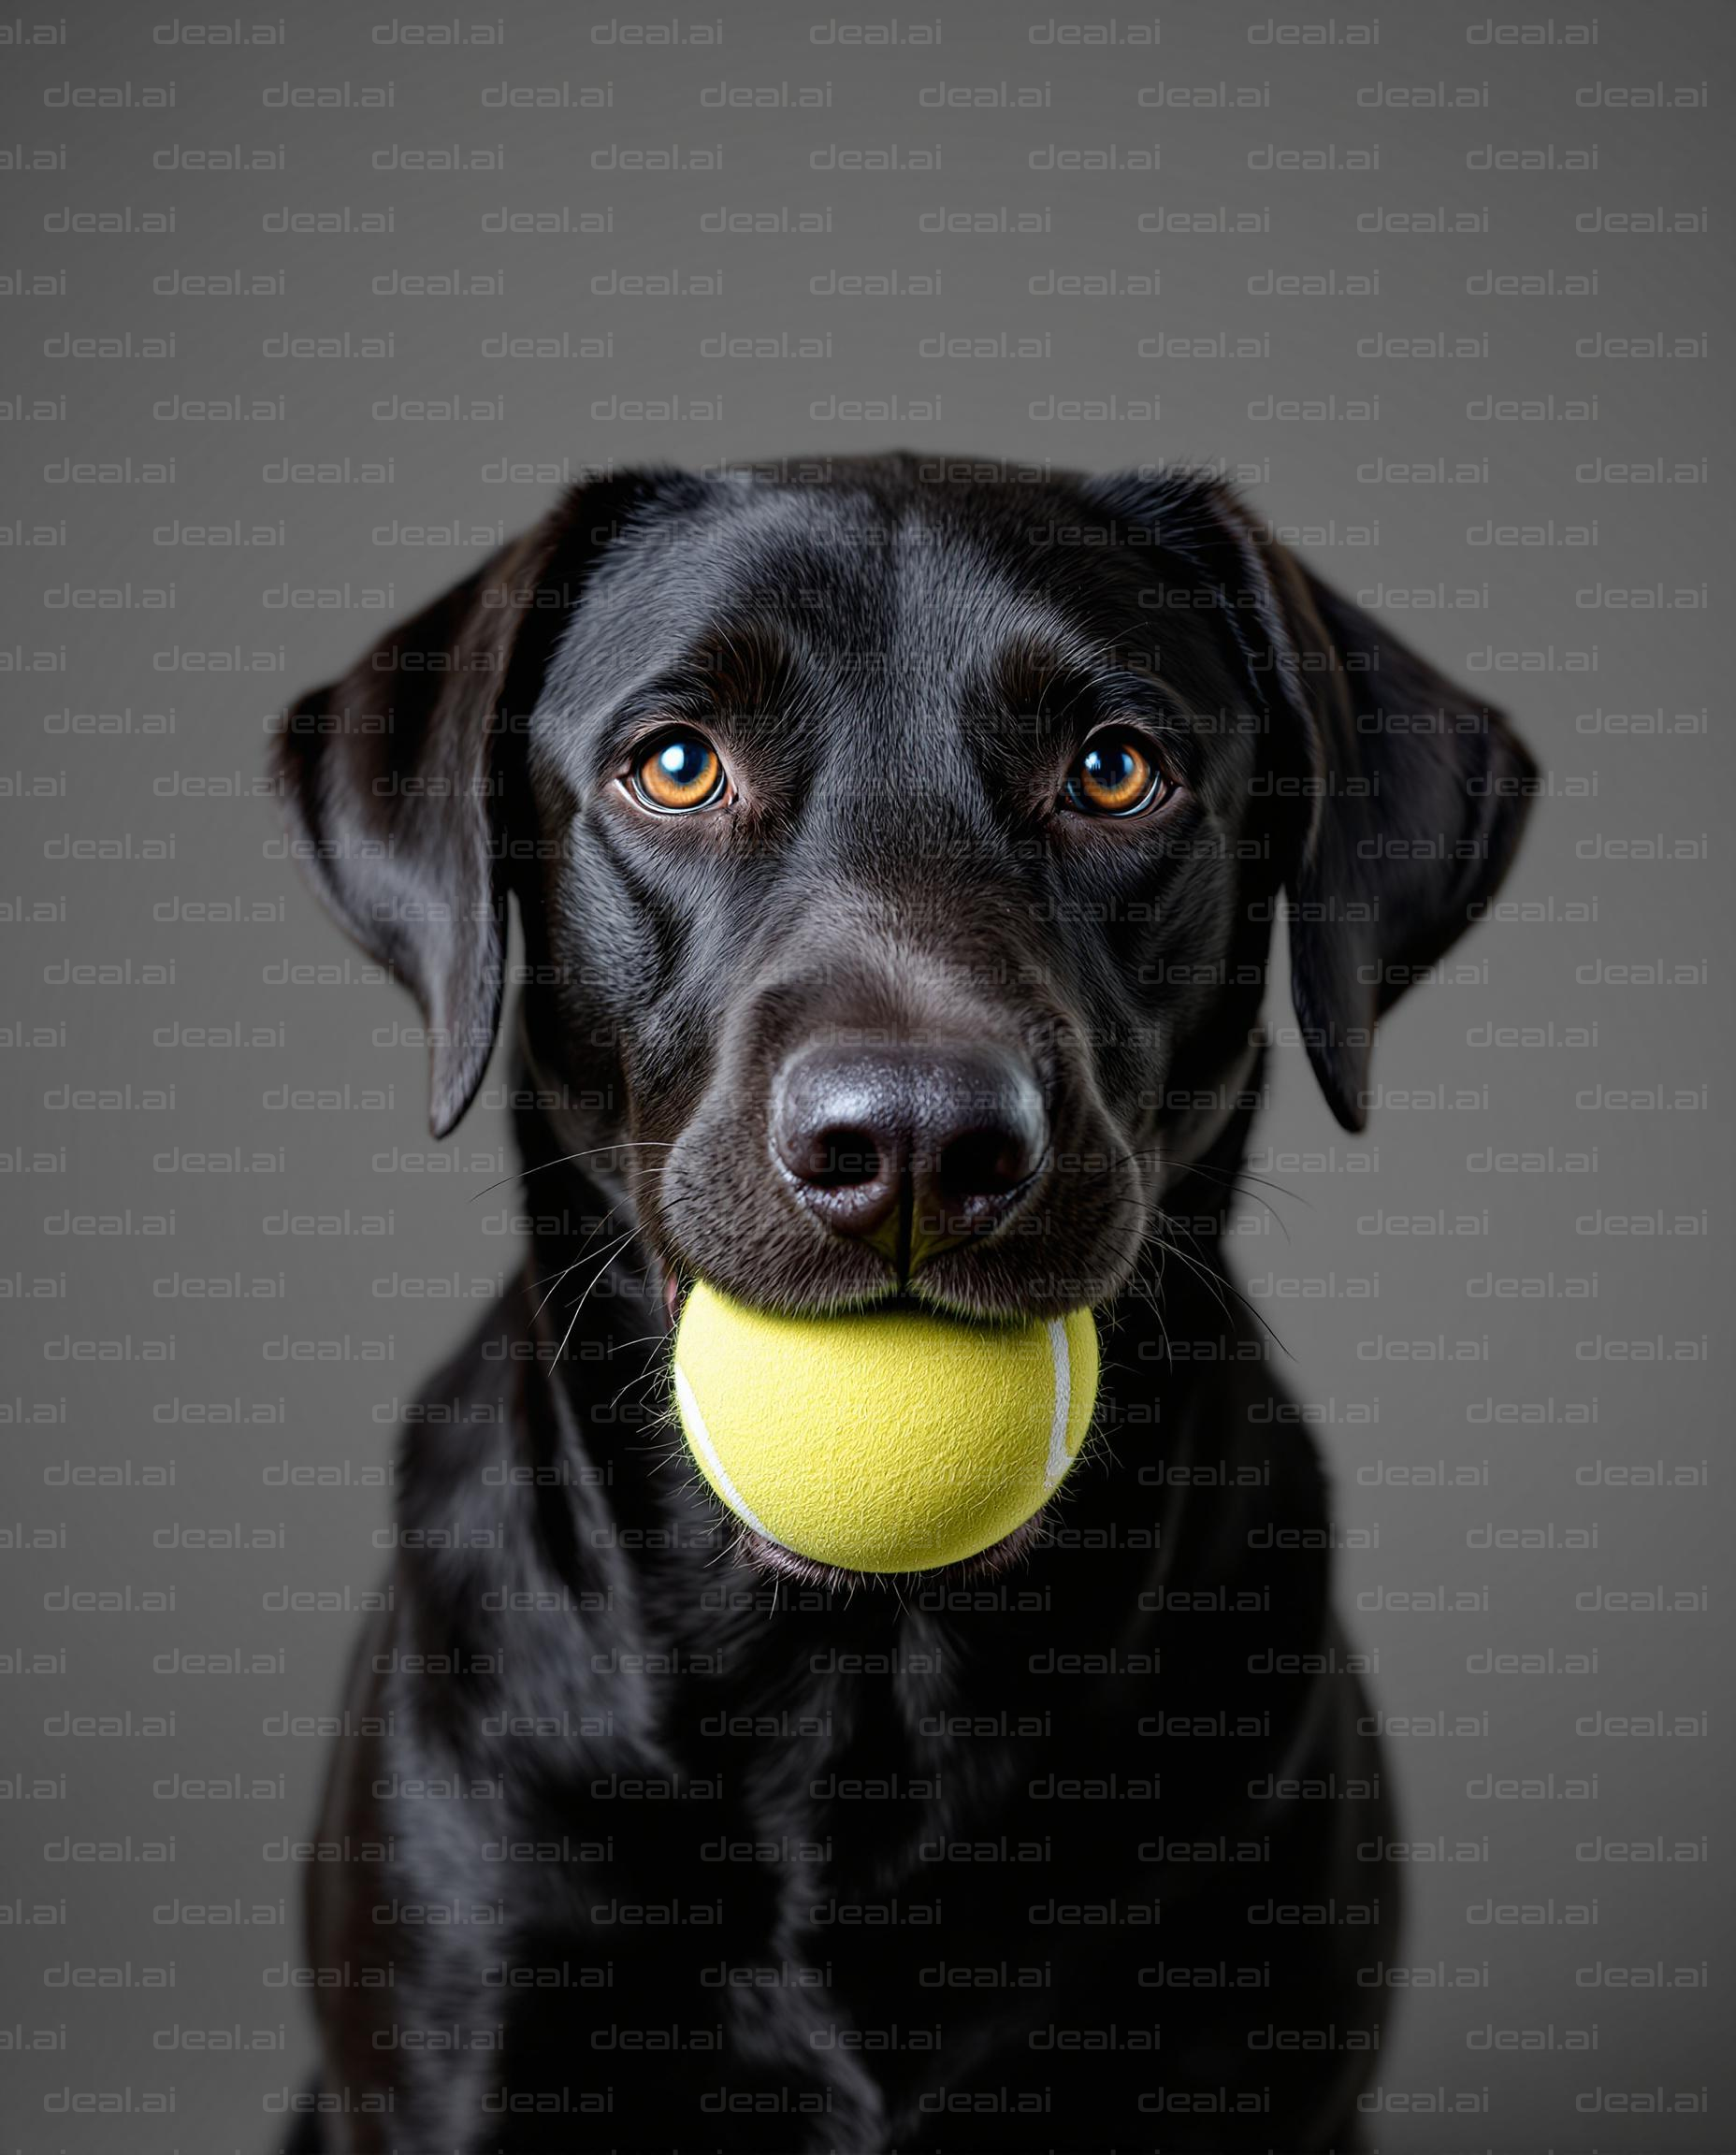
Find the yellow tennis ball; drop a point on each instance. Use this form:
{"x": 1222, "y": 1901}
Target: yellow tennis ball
{"x": 883, "y": 1441}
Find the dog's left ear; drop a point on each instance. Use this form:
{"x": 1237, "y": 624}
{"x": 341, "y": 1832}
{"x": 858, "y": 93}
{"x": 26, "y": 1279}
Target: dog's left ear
{"x": 1411, "y": 793}
{"x": 1423, "y": 792}
{"x": 398, "y": 780}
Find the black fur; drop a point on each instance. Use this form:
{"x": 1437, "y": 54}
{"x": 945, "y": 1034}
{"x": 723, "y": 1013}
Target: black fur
{"x": 645, "y": 1837}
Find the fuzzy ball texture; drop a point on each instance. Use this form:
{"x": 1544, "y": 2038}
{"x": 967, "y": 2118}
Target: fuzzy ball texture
{"x": 885, "y": 1440}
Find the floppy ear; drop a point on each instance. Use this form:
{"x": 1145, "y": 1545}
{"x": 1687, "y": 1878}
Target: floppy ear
{"x": 1426, "y": 790}
{"x": 398, "y": 780}
{"x": 1411, "y": 792}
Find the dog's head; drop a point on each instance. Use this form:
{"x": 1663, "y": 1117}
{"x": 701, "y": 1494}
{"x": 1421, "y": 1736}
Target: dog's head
{"x": 897, "y": 851}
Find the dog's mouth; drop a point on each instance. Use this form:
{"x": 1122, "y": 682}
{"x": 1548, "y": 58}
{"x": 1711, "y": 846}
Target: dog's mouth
{"x": 757, "y": 1550}
{"x": 677, "y": 1285}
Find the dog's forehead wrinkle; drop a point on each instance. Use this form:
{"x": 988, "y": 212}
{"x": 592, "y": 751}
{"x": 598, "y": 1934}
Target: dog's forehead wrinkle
{"x": 907, "y": 607}
{"x": 757, "y": 562}
{"x": 955, "y": 621}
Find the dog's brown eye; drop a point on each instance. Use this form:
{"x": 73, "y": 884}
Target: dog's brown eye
{"x": 1117, "y": 775}
{"x": 682, "y": 772}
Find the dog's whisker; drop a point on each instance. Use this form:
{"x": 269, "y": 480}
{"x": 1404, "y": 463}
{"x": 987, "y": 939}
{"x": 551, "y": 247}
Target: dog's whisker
{"x": 644, "y": 1377}
{"x": 585, "y": 1250}
{"x": 554, "y": 1285}
{"x": 658, "y": 1338}
{"x": 1239, "y": 1181}
{"x": 578, "y": 1307}
{"x": 620, "y": 1145}
{"x": 567, "y": 1270}
{"x": 1217, "y": 1280}
{"x": 558, "y": 1278}
{"x": 1147, "y": 1155}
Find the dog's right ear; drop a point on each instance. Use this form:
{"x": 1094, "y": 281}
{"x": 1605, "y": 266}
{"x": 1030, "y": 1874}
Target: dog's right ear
{"x": 395, "y": 779}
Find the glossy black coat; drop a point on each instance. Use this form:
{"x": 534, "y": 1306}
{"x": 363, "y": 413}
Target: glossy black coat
{"x": 645, "y": 1837}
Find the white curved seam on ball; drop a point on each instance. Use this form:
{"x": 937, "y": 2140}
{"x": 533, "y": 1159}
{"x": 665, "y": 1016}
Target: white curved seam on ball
{"x": 1063, "y": 1399}
{"x": 702, "y": 1437}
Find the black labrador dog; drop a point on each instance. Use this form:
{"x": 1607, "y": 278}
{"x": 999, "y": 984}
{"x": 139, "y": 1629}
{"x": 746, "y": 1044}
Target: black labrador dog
{"x": 896, "y": 844}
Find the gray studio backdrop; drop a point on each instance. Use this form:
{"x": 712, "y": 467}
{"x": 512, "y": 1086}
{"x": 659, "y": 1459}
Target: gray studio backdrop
{"x": 307, "y": 312}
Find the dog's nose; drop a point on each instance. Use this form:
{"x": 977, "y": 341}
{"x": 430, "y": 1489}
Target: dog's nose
{"x": 913, "y": 1149}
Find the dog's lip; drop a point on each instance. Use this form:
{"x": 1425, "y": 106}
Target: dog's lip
{"x": 759, "y": 1552}
{"x": 912, "y": 1298}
